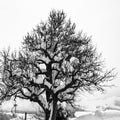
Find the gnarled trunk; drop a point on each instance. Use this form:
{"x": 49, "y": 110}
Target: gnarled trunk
{"x": 47, "y": 114}
{"x": 52, "y": 112}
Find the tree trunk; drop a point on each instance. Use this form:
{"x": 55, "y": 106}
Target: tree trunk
{"x": 47, "y": 114}
{"x": 53, "y": 109}
{"x": 51, "y": 115}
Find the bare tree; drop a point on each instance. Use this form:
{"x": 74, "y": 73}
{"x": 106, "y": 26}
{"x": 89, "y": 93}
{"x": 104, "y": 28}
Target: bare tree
{"x": 53, "y": 64}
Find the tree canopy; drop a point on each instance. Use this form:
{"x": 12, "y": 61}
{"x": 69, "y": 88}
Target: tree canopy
{"x": 55, "y": 61}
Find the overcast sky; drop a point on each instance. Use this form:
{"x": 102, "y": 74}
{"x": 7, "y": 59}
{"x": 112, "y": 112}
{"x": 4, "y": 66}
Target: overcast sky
{"x": 98, "y": 18}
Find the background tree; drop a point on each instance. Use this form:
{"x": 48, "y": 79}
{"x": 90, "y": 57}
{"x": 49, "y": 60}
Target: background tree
{"x": 52, "y": 65}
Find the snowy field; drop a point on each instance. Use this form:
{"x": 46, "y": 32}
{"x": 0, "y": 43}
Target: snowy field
{"x": 100, "y": 115}
{"x": 97, "y": 115}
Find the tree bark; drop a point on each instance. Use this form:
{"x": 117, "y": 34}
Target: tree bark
{"x": 52, "y": 113}
{"x": 47, "y": 114}
{"x": 53, "y": 110}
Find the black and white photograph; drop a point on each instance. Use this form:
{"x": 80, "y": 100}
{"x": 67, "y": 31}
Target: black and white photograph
{"x": 59, "y": 60}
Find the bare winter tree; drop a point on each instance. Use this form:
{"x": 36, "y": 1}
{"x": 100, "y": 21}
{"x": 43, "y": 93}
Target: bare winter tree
{"x": 53, "y": 64}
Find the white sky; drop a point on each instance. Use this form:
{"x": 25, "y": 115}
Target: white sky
{"x": 99, "y": 18}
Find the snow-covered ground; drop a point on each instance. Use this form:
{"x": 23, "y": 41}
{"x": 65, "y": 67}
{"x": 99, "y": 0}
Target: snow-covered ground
{"x": 103, "y": 109}
{"x": 99, "y": 115}
{"x": 22, "y": 117}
